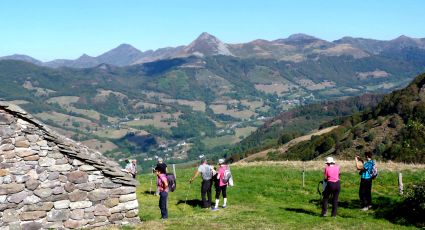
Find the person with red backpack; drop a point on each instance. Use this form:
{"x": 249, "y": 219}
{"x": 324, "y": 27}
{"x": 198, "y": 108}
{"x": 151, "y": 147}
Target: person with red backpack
{"x": 368, "y": 172}
{"x": 162, "y": 184}
{"x": 222, "y": 174}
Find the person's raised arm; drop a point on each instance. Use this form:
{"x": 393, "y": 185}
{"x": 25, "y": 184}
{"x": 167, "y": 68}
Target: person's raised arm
{"x": 359, "y": 163}
{"x": 194, "y": 176}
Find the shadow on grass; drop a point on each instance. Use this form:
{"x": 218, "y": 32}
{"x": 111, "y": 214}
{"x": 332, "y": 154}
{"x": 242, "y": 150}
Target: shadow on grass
{"x": 193, "y": 203}
{"x": 150, "y": 192}
{"x": 300, "y": 210}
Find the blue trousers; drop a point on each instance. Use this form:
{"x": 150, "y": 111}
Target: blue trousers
{"x": 163, "y": 197}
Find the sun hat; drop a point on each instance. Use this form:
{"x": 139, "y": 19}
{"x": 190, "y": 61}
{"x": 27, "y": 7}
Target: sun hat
{"x": 221, "y": 161}
{"x": 330, "y": 160}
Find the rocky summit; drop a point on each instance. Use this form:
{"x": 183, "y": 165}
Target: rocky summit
{"x": 49, "y": 181}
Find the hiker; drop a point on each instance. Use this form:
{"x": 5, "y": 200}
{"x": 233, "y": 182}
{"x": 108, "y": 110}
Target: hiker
{"x": 162, "y": 184}
{"x": 206, "y": 172}
{"x": 333, "y": 186}
{"x": 131, "y": 167}
{"x": 221, "y": 185}
{"x": 365, "y": 171}
{"x": 161, "y": 164}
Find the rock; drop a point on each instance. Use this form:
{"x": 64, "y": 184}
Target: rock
{"x": 88, "y": 215}
{"x": 7, "y": 147}
{"x": 32, "y": 158}
{"x": 58, "y": 215}
{"x": 69, "y": 187}
{"x": 74, "y": 223}
{"x": 17, "y": 197}
{"x": 86, "y": 186}
{"x": 46, "y": 161}
{"x": 61, "y": 204}
{"x": 77, "y": 162}
{"x": 32, "y": 138}
{"x": 128, "y": 197}
{"x": 116, "y": 217}
{"x": 78, "y": 196}
{"x": 32, "y": 184}
{"x": 31, "y": 200}
{"x": 32, "y": 226}
{"x": 4, "y": 172}
{"x": 33, "y": 215}
{"x": 58, "y": 190}
{"x": 77, "y": 214}
{"x": 125, "y": 206}
{"x": 22, "y": 144}
{"x": 101, "y": 210}
{"x": 132, "y": 213}
{"x": 80, "y": 204}
{"x": 53, "y": 176}
{"x": 43, "y": 192}
{"x": 6, "y": 132}
{"x": 3, "y": 199}
{"x": 58, "y": 197}
{"x": 77, "y": 177}
{"x": 42, "y": 143}
{"x": 10, "y": 215}
{"x": 61, "y": 168}
{"x": 112, "y": 202}
{"x": 7, "y": 189}
{"x": 21, "y": 178}
{"x": 32, "y": 174}
{"x": 87, "y": 168}
{"x": 6, "y": 119}
{"x": 107, "y": 183}
{"x": 41, "y": 206}
{"x": 61, "y": 161}
{"x": 123, "y": 190}
{"x": 98, "y": 194}
{"x": 43, "y": 153}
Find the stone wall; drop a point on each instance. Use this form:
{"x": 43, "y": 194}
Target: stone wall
{"x": 49, "y": 181}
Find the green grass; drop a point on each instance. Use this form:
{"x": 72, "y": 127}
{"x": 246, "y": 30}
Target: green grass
{"x": 273, "y": 198}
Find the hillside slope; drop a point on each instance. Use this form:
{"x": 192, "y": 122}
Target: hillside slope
{"x": 393, "y": 130}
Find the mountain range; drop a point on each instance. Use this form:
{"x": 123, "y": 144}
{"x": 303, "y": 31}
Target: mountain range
{"x": 295, "y": 48}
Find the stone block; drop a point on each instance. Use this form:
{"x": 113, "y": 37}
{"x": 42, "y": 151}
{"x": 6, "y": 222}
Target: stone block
{"x": 78, "y": 195}
{"x": 43, "y": 192}
{"x": 98, "y": 194}
{"x": 61, "y": 204}
{"x": 77, "y": 177}
{"x": 80, "y": 204}
{"x": 32, "y": 215}
{"x": 11, "y": 188}
{"x": 58, "y": 215}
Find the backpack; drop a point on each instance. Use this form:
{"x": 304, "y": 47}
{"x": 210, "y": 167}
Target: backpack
{"x": 171, "y": 182}
{"x": 374, "y": 172}
{"x": 227, "y": 176}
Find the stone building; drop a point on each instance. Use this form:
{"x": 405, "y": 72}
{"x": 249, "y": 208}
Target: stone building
{"x": 49, "y": 181}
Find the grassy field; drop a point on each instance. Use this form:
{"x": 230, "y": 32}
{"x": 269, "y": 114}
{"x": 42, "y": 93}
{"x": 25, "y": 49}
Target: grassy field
{"x": 272, "y": 197}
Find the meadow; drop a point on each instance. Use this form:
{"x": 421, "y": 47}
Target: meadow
{"x": 271, "y": 196}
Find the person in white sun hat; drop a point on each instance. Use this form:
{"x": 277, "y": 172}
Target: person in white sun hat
{"x": 333, "y": 186}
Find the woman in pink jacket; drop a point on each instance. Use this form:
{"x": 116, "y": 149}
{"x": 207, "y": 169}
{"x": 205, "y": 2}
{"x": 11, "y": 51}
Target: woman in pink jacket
{"x": 222, "y": 187}
{"x": 332, "y": 187}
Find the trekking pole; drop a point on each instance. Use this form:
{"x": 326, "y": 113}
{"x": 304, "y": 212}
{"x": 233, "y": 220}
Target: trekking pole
{"x": 185, "y": 201}
{"x": 150, "y": 187}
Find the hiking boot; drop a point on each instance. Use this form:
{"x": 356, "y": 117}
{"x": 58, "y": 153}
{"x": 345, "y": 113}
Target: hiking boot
{"x": 224, "y": 206}
{"x": 323, "y": 215}
{"x": 214, "y": 209}
{"x": 365, "y": 209}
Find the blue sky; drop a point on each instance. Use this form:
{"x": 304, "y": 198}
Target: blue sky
{"x": 50, "y": 29}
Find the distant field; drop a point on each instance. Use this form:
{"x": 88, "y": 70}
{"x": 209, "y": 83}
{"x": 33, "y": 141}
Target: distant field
{"x": 211, "y": 142}
{"x": 244, "y": 131}
{"x": 277, "y": 88}
{"x": 112, "y": 133}
{"x": 100, "y": 146}
{"x": 64, "y": 119}
{"x": 196, "y": 105}
{"x": 272, "y": 197}
{"x": 65, "y": 102}
{"x": 222, "y": 109}
{"x": 157, "y": 121}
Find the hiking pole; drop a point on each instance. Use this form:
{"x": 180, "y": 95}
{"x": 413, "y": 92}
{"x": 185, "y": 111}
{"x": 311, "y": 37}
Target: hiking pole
{"x": 185, "y": 201}
{"x": 150, "y": 187}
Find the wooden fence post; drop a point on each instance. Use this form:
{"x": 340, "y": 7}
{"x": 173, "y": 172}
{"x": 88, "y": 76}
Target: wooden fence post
{"x": 400, "y": 183}
{"x": 303, "y": 173}
{"x": 174, "y": 171}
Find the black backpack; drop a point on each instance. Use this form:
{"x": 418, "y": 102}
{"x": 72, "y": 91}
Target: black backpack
{"x": 171, "y": 182}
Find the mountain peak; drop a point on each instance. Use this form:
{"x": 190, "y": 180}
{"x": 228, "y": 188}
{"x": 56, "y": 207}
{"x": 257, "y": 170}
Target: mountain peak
{"x": 301, "y": 36}
{"x": 205, "y": 45}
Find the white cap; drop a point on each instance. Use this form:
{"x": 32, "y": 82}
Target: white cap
{"x": 221, "y": 161}
{"x": 330, "y": 160}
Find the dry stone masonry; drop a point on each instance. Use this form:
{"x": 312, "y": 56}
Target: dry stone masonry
{"x": 49, "y": 181}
